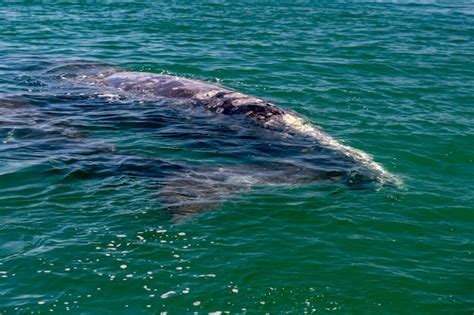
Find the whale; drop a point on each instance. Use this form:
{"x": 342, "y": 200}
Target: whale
{"x": 295, "y": 151}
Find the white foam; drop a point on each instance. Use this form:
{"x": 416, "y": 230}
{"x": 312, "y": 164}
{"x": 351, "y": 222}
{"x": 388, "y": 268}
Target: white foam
{"x": 167, "y": 294}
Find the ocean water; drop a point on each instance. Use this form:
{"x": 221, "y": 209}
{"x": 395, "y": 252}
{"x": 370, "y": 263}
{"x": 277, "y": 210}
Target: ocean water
{"x": 80, "y": 235}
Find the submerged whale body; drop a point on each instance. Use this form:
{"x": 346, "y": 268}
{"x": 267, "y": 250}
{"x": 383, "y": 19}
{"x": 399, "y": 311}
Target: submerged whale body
{"x": 306, "y": 153}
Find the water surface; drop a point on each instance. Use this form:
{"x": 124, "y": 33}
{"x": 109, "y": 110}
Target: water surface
{"x": 78, "y": 234}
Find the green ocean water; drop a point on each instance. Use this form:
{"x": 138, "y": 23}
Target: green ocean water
{"x": 392, "y": 78}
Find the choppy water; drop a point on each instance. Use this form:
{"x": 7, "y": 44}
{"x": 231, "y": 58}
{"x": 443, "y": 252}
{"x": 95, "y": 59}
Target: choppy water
{"x": 82, "y": 228}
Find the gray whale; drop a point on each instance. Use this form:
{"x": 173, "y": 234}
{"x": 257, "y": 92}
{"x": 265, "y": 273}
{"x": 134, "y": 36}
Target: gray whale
{"x": 198, "y": 188}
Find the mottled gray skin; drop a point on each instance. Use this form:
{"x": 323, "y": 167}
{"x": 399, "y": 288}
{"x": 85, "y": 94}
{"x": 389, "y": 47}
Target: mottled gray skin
{"x": 215, "y": 98}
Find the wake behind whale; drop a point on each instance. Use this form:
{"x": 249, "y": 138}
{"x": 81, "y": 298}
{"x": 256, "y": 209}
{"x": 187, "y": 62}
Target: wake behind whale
{"x": 270, "y": 145}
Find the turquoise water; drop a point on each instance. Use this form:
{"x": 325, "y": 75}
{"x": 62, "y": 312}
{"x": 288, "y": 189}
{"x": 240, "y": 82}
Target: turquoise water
{"x": 394, "y": 79}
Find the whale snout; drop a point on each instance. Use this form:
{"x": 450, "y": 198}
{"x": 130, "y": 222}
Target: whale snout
{"x": 371, "y": 179}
